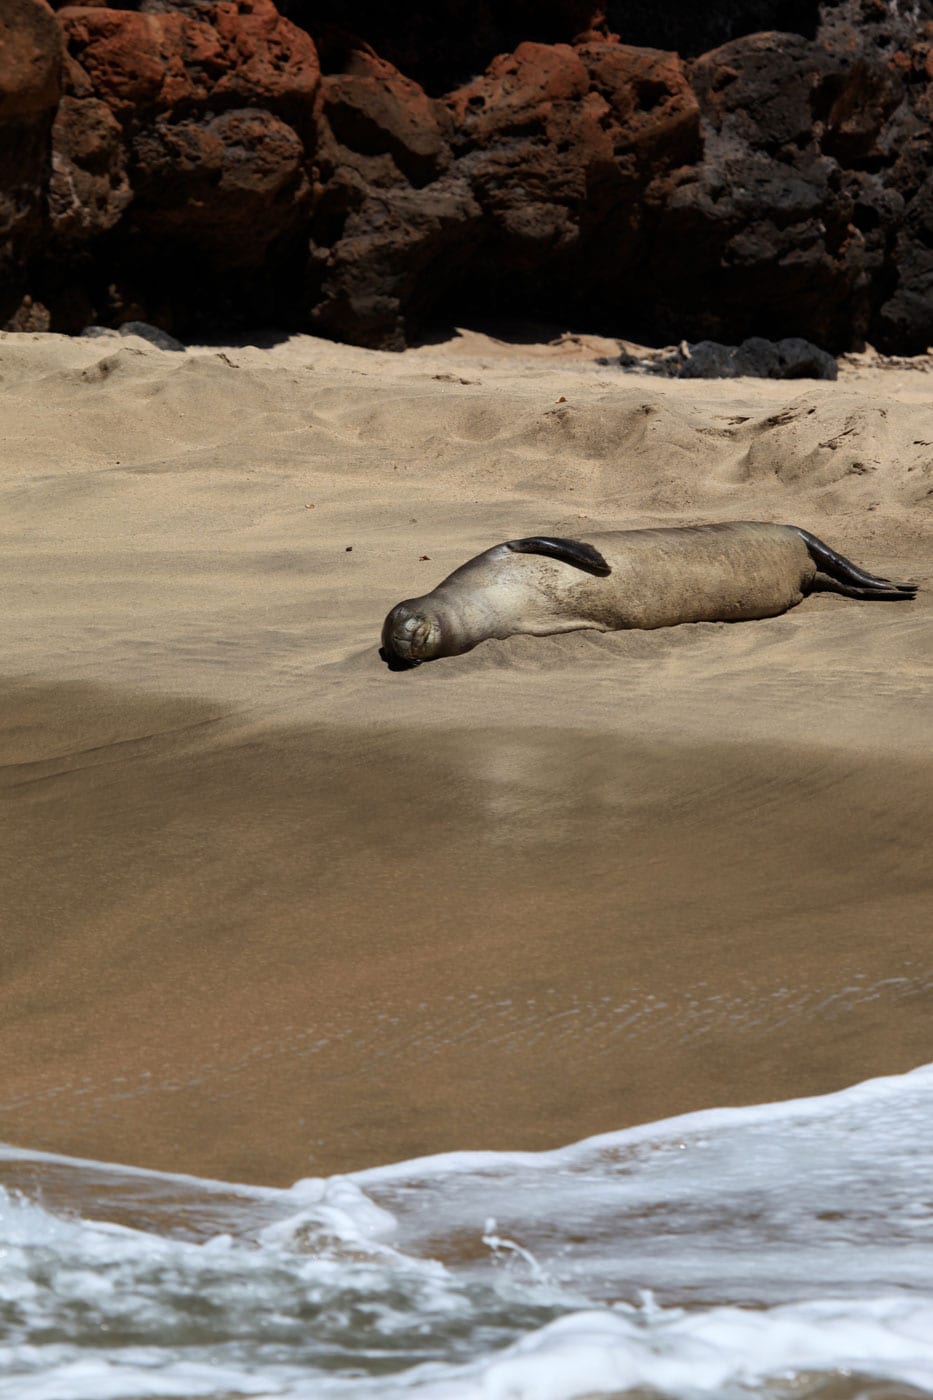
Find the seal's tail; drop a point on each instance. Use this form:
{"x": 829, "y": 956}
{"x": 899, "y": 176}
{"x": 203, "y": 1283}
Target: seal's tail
{"x": 839, "y": 575}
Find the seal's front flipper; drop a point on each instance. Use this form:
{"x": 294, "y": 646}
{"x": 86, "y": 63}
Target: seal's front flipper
{"x": 575, "y": 552}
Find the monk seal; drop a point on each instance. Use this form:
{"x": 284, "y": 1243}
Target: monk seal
{"x": 629, "y": 578}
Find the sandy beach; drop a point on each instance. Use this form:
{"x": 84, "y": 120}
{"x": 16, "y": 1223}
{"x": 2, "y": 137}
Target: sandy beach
{"x": 271, "y": 910}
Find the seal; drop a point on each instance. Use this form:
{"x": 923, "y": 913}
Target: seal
{"x": 625, "y": 579}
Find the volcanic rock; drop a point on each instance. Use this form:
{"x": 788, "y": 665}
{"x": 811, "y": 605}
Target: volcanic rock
{"x": 372, "y": 109}
{"x": 207, "y": 164}
{"x": 229, "y": 185}
{"x": 31, "y": 56}
{"x": 89, "y": 187}
{"x": 400, "y": 253}
{"x": 552, "y": 150}
{"x": 235, "y": 53}
{"x": 755, "y": 358}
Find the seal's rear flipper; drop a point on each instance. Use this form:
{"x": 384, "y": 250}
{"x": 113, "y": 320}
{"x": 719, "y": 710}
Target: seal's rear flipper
{"x": 575, "y": 552}
{"x": 837, "y": 574}
{"x": 874, "y": 593}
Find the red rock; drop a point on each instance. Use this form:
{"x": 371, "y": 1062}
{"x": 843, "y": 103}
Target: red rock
{"x": 31, "y": 54}
{"x": 126, "y": 57}
{"x": 520, "y": 93}
{"x": 243, "y": 52}
{"x": 30, "y": 60}
{"x": 268, "y": 59}
{"x": 778, "y": 184}
{"x": 556, "y": 113}
{"x": 529, "y": 132}
{"x": 230, "y": 184}
{"x": 554, "y": 145}
{"x": 89, "y": 188}
{"x": 371, "y": 108}
{"x": 653, "y": 109}
{"x": 868, "y": 95}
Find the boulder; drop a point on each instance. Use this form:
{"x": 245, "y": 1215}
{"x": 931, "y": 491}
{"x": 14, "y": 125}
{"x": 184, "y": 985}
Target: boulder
{"x": 233, "y": 53}
{"x": 762, "y": 234}
{"x": 549, "y": 151}
{"x": 760, "y": 90}
{"x": 400, "y": 255}
{"x": 88, "y": 188}
{"x": 31, "y": 54}
{"x": 184, "y": 136}
{"x": 373, "y": 110}
{"x": 230, "y": 185}
{"x": 757, "y": 358}
{"x": 904, "y": 324}
{"x": 31, "y": 57}
{"x": 153, "y": 334}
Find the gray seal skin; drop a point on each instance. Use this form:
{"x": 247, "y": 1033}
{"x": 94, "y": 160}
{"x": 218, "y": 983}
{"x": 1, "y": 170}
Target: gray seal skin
{"x": 625, "y": 579}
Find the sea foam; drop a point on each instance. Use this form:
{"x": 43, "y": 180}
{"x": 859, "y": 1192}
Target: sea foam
{"x": 765, "y": 1251}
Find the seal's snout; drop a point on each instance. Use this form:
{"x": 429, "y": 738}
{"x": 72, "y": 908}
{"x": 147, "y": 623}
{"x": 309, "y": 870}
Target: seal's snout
{"x": 396, "y": 663}
{"x": 406, "y": 638}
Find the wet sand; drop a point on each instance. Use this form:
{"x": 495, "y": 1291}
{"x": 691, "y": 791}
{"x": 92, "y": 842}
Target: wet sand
{"x": 271, "y": 910}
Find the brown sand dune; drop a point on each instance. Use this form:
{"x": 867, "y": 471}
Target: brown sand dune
{"x": 270, "y": 909}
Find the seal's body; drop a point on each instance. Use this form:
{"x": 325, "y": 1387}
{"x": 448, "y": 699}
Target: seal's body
{"x": 626, "y": 579}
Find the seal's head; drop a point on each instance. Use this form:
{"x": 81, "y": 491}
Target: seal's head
{"x": 410, "y": 635}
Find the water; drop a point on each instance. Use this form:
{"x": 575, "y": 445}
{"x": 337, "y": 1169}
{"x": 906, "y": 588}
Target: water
{"x": 782, "y": 1251}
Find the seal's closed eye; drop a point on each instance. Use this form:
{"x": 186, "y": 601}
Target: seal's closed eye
{"x": 575, "y": 552}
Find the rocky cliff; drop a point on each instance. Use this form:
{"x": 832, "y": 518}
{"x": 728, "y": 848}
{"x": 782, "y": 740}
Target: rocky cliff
{"x": 365, "y": 170}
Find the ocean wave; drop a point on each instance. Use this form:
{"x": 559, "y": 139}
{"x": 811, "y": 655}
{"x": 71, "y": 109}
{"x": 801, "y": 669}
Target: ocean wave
{"x": 773, "y": 1250}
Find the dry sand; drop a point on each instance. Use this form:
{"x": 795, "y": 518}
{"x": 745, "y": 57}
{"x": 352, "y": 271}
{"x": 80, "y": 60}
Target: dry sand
{"x": 271, "y": 910}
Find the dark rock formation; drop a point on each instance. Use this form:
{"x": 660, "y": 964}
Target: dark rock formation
{"x": 755, "y": 358}
{"x": 89, "y": 188}
{"x": 181, "y": 164}
{"x": 363, "y": 171}
{"x": 542, "y": 165}
{"x": 31, "y": 57}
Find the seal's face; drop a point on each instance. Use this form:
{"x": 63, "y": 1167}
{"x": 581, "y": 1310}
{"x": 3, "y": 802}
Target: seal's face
{"x": 409, "y": 637}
